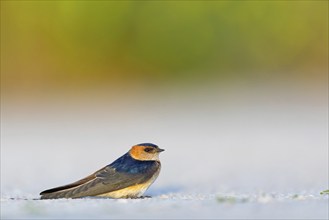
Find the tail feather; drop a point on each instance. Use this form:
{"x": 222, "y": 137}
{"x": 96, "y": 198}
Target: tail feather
{"x": 93, "y": 187}
{"x": 67, "y": 191}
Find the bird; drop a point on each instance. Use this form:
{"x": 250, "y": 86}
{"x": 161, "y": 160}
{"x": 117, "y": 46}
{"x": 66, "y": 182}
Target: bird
{"x": 129, "y": 176}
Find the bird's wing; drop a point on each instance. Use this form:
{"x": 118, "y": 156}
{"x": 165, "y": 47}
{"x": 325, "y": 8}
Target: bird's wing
{"x": 102, "y": 181}
{"x": 71, "y": 185}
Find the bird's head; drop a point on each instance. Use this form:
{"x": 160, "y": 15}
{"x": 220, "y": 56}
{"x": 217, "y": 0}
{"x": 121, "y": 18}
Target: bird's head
{"x": 145, "y": 151}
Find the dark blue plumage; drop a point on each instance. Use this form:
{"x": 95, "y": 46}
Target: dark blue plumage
{"x": 128, "y": 164}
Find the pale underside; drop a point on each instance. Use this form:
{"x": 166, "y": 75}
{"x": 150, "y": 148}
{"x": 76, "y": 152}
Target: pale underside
{"x": 131, "y": 191}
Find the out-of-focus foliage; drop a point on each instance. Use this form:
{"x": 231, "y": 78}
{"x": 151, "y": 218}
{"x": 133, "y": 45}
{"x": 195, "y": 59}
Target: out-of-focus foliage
{"x": 160, "y": 40}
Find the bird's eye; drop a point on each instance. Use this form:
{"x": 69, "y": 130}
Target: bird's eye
{"x": 148, "y": 150}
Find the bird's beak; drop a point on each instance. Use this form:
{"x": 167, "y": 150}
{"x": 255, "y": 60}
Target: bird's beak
{"x": 160, "y": 150}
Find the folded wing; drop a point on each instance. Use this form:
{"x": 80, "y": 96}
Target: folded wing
{"x": 105, "y": 180}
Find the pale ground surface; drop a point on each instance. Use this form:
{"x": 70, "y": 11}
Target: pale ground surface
{"x": 237, "y": 152}
{"x": 178, "y": 205}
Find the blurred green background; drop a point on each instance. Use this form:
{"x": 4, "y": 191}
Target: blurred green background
{"x": 69, "y": 44}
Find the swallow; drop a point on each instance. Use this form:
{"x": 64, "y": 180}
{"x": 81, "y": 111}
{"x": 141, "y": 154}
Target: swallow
{"x": 127, "y": 177}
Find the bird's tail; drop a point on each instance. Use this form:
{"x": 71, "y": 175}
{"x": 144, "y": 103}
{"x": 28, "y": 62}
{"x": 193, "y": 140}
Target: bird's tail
{"x": 73, "y": 190}
{"x": 57, "y": 195}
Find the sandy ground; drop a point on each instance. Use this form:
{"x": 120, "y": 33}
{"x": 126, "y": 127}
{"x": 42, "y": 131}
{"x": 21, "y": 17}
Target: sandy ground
{"x": 236, "y": 152}
{"x": 179, "y": 205}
